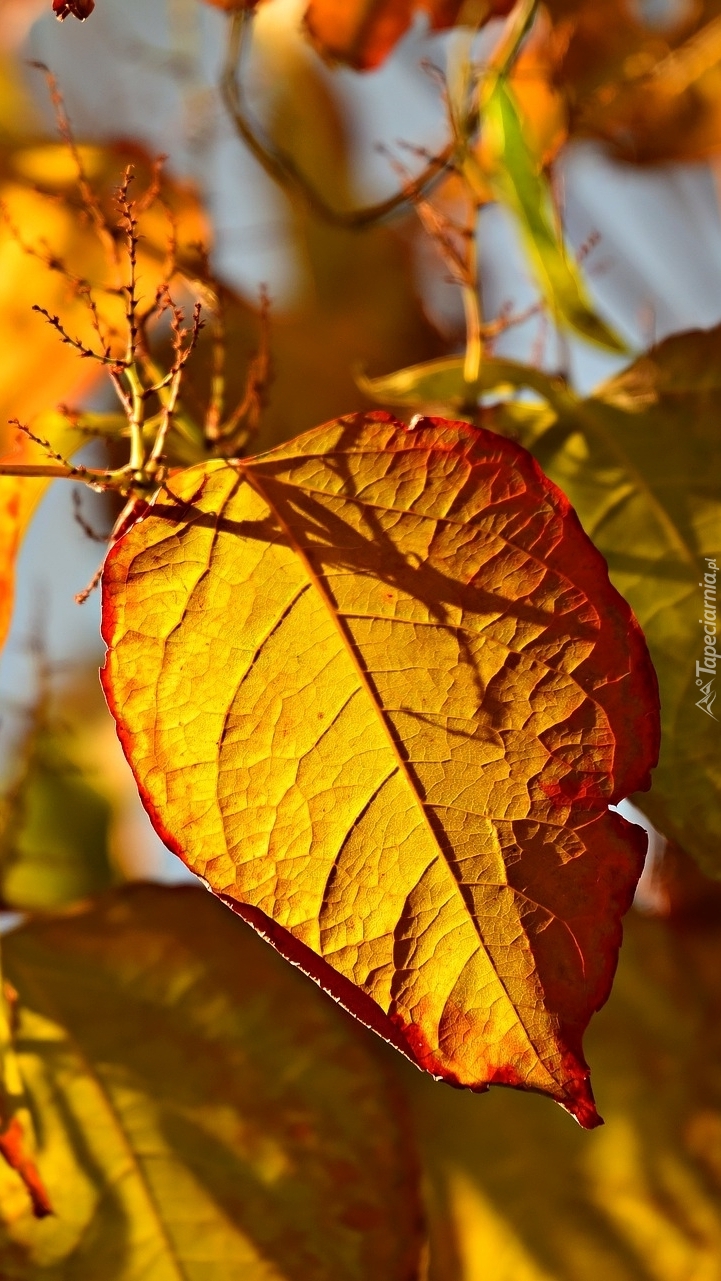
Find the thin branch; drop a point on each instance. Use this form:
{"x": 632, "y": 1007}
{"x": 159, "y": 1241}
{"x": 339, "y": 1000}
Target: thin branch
{"x": 129, "y": 224}
{"x": 243, "y": 422}
{"x": 81, "y": 597}
{"x": 60, "y": 467}
{"x": 86, "y": 353}
{"x": 31, "y": 471}
{"x": 282, "y": 167}
{"x": 89, "y": 199}
{"x": 80, "y": 520}
{"x": 183, "y": 352}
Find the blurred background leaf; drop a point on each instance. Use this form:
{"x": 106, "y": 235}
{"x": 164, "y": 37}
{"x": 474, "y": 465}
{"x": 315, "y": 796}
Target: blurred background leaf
{"x": 55, "y": 822}
{"x": 640, "y": 461}
{"x": 517, "y": 1193}
{"x": 517, "y": 182}
{"x": 204, "y": 1110}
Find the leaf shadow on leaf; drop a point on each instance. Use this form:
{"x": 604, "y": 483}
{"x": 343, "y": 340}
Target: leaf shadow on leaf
{"x": 104, "y": 1241}
{"x": 209, "y": 1113}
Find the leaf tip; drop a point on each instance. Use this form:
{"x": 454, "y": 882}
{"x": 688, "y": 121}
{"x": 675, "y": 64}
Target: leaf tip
{"x": 578, "y": 1100}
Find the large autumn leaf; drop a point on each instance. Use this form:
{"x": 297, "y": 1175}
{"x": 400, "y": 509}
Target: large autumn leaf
{"x": 377, "y": 690}
{"x": 516, "y": 1195}
{"x": 640, "y": 461}
{"x": 205, "y": 1113}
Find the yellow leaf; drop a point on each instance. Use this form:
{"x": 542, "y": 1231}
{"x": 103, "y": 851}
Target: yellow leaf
{"x": 440, "y": 383}
{"x": 376, "y": 689}
{"x": 206, "y": 1114}
{"x": 518, "y": 183}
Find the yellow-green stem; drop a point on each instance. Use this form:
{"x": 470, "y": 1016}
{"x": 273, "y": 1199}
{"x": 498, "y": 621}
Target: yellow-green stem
{"x": 137, "y": 444}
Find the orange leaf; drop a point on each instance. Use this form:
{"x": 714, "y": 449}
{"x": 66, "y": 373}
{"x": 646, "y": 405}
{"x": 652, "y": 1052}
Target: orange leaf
{"x": 11, "y": 496}
{"x": 19, "y": 497}
{"x": 648, "y": 89}
{"x": 377, "y": 690}
{"x": 363, "y": 32}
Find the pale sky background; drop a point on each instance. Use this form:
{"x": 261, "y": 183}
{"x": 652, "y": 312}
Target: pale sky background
{"x": 656, "y": 269}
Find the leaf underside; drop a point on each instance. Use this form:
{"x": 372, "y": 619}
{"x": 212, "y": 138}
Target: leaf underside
{"x": 377, "y": 690}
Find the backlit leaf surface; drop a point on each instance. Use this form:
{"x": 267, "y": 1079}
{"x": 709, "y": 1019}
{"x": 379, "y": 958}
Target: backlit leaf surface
{"x": 377, "y": 690}
{"x": 206, "y": 1114}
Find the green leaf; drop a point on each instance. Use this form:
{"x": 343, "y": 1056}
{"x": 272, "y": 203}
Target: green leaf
{"x": 518, "y": 1194}
{"x": 54, "y": 842}
{"x": 440, "y": 383}
{"x": 205, "y": 1113}
{"x": 641, "y": 463}
{"x": 517, "y": 182}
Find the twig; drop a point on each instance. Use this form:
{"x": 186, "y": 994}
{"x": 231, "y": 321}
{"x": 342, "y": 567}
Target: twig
{"x": 247, "y": 412}
{"x": 86, "y": 353}
{"x": 89, "y": 199}
{"x": 81, "y": 597}
{"x": 282, "y": 167}
{"x": 60, "y": 468}
{"x": 183, "y": 352}
{"x": 80, "y": 520}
